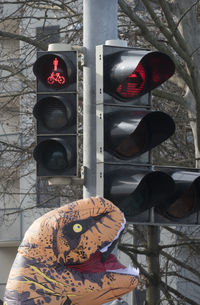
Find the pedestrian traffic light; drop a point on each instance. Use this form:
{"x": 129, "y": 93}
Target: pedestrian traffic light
{"x": 56, "y": 114}
{"x": 127, "y": 131}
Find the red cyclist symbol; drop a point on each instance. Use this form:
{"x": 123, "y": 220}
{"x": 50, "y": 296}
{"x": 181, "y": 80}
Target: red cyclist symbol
{"x": 55, "y": 76}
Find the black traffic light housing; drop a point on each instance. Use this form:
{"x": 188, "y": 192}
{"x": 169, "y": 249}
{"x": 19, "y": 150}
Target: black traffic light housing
{"x": 127, "y": 130}
{"x": 56, "y": 114}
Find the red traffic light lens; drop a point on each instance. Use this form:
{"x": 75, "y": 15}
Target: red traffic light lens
{"x": 55, "y": 71}
{"x": 134, "y": 84}
{"x": 153, "y": 70}
{"x": 57, "y": 75}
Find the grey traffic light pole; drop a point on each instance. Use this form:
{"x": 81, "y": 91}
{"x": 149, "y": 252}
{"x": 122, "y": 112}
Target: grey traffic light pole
{"x": 99, "y": 25}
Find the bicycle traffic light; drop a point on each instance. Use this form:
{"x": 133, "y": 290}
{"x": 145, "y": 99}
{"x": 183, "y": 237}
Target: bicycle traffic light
{"x": 56, "y": 113}
{"x": 127, "y": 131}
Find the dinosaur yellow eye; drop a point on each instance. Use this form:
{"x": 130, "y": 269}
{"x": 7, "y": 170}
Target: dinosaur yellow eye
{"x": 77, "y": 227}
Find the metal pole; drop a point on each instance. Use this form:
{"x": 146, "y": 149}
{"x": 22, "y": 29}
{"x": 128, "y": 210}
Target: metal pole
{"x": 99, "y": 25}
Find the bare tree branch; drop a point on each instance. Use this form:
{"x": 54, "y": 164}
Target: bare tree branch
{"x": 34, "y": 42}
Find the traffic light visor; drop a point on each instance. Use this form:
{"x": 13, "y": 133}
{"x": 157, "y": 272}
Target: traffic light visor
{"x": 128, "y": 134}
{"x": 183, "y": 202}
{"x": 130, "y": 74}
{"x": 134, "y": 191}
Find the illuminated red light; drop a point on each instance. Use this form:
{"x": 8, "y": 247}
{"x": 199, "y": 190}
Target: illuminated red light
{"x": 55, "y": 76}
{"x": 154, "y": 69}
{"x": 134, "y": 84}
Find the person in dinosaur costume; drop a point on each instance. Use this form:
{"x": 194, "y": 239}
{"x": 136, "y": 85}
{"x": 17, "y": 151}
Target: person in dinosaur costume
{"x": 65, "y": 258}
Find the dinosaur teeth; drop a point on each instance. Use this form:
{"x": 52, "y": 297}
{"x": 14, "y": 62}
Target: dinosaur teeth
{"x": 128, "y": 270}
{"x": 116, "y": 237}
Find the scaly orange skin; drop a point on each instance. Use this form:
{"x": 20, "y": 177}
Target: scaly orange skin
{"x": 69, "y": 235}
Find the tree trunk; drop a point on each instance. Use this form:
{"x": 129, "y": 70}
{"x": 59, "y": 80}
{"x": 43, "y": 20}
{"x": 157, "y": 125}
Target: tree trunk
{"x": 153, "y": 289}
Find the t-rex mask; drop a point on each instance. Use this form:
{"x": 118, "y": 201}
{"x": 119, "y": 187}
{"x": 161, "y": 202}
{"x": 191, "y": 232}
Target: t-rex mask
{"x": 64, "y": 258}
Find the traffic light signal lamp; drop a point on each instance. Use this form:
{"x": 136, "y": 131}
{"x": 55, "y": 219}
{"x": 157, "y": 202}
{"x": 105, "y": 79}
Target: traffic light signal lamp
{"x": 56, "y": 71}
{"x": 172, "y": 192}
{"x": 127, "y": 130}
{"x": 56, "y": 114}
{"x": 131, "y": 133}
{"x": 130, "y": 73}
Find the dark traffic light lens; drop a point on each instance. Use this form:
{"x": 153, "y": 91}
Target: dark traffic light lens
{"x": 136, "y": 190}
{"x": 54, "y": 156}
{"x": 54, "y": 115}
{"x": 55, "y": 118}
{"x": 184, "y": 202}
{"x": 128, "y": 134}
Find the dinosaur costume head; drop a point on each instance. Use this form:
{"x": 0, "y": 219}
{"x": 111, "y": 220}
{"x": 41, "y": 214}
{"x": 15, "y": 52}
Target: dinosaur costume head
{"x": 65, "y": 258}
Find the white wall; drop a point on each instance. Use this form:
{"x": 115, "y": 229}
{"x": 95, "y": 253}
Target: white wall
{"x": 7, "y": 256}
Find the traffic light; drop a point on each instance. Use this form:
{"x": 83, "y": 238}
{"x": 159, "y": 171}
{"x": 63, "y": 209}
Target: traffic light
{"x": 127, "y": 131}
{"x": 183, "y": 204}
{"x": 172, "y": 192}
{"x": 56, "y": 114}
{"x": 131, "y": 73}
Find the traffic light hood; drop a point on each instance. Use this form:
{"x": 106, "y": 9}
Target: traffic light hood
{"x": 143, "y": 189}
{"x": 130, "y": 133}
{"x": 129, "y": 74}
{"x": 184, "y": 201}
{"x": 174, "y": 193}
